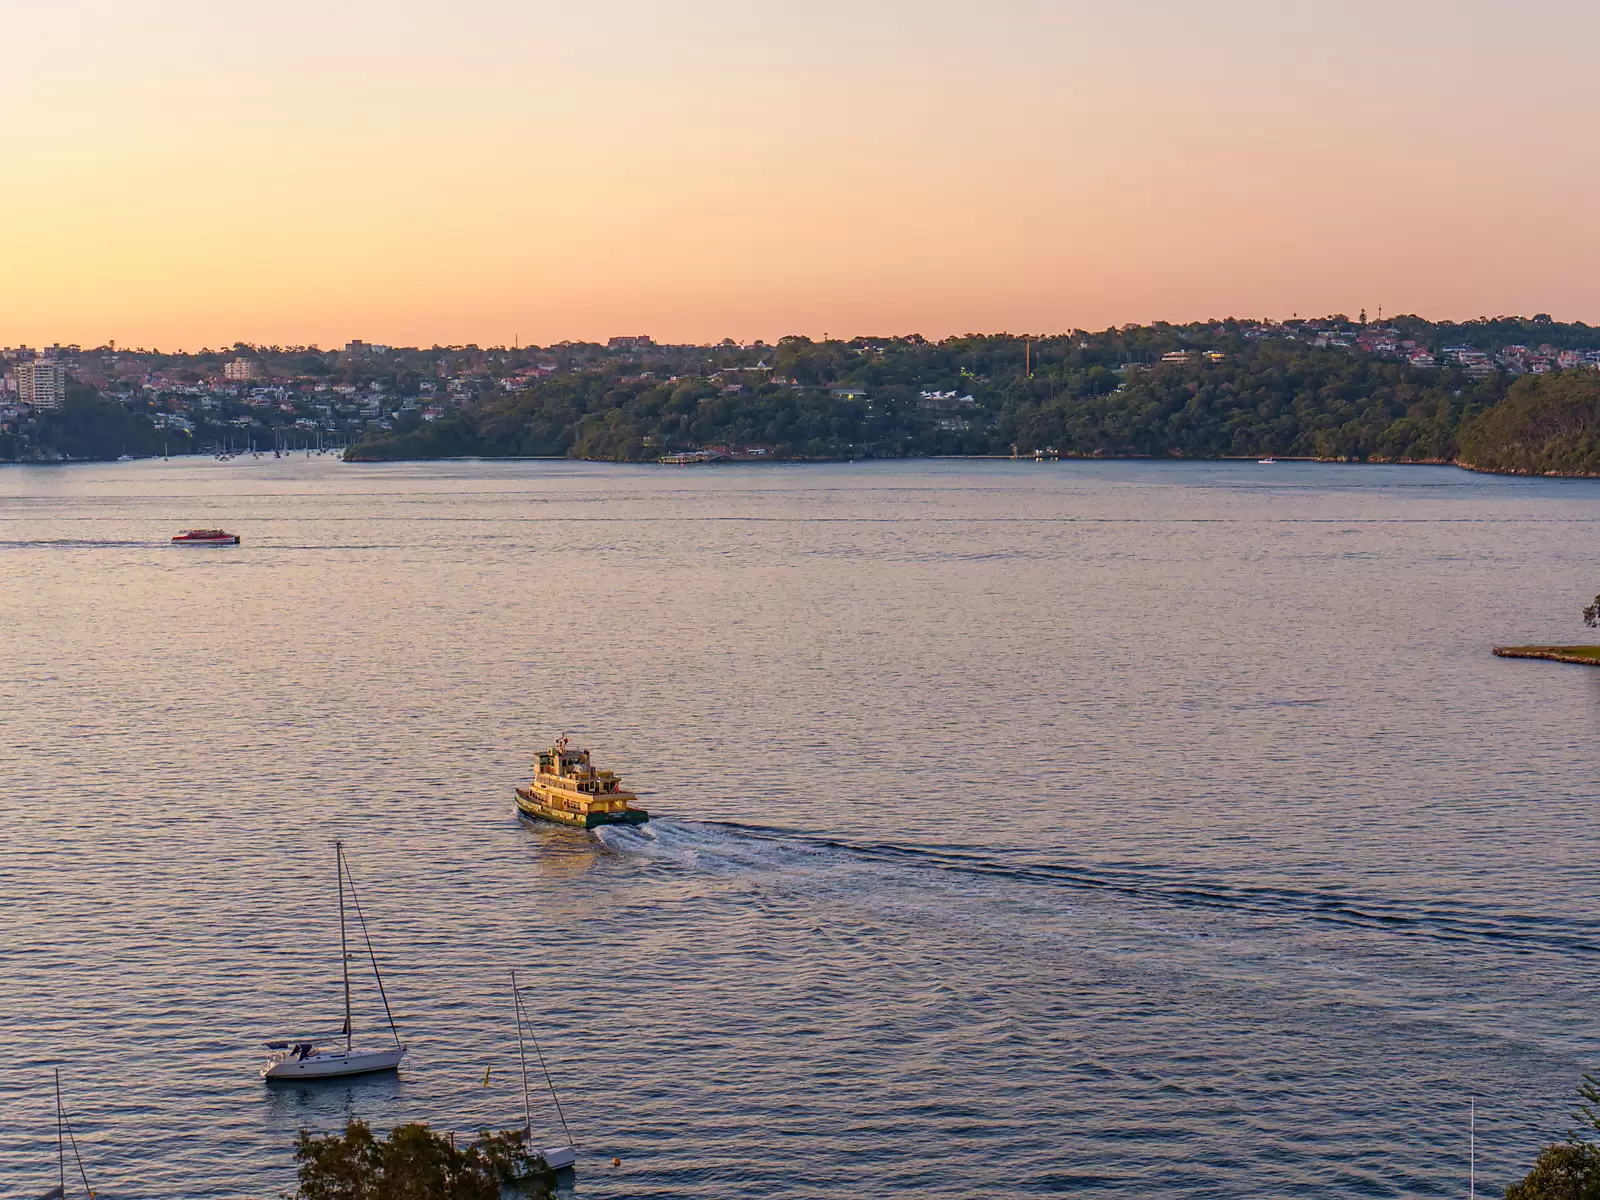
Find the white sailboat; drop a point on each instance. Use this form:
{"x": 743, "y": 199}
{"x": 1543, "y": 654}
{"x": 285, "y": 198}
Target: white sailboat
{"x": 304, "y": 1058}
{"x": 556, "y": 1157}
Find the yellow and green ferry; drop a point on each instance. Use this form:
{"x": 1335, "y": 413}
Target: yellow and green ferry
{"x": 568, "y": 790}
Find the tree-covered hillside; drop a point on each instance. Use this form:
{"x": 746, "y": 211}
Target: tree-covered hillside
{"x": 1547, "y": 425}
{"x": 1108, "y": 395}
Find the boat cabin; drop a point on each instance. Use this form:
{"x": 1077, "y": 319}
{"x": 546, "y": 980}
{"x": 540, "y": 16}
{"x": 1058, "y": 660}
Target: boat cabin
{"x": 572, "y": 770}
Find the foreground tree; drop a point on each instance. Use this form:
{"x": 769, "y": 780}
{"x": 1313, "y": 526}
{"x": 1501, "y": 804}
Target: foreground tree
{"x": 1563, "y": 1171}
{"x": 414, "y": 1163}
{"x": 1568, "y": 1170}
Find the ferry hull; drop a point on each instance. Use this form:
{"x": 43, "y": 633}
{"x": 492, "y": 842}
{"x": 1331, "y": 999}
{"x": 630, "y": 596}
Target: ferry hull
{"x": 529, "y": 805}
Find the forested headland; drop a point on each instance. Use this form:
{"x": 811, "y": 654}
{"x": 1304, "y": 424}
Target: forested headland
{"x": 1223, "y": 390}
{"x": 1547, "y": 425}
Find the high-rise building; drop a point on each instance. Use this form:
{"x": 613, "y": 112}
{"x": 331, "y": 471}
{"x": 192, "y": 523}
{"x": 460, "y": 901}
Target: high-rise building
{"x": 42, "y": 382}
{"x": 241, "y": 369}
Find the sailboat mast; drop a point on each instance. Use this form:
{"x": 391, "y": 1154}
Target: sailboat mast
{"x": 527, "y": 1108}
{"x": 1472, "y": 1151}
{"x": 61, "y": 1140}
{"x": 344, "y": 954}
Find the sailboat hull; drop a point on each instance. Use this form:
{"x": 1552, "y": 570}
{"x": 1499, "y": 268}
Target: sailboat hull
{"x": 325, "y": 1064}
{"x": 559, "y": 1158}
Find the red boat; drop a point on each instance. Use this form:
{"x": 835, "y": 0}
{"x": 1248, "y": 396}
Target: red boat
{"x": 205, "y": 537}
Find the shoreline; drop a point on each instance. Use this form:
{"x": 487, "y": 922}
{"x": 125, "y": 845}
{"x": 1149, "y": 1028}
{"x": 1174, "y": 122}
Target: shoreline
{"x": 1018, "y": 458}
{"x": 1583, "y": 656}
{"x": 725, "y": 462}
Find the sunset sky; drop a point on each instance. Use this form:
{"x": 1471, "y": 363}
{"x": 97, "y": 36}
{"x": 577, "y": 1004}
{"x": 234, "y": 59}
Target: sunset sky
{"x": 181, "y": 173}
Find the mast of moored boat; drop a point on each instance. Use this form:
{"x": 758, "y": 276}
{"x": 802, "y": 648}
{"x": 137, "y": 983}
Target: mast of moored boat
{"x": 61, "y": 1141}
{"x": 522, "y": 1057}
{"x": 549, "y": 1083}
{"x": 344, "y": 954}
{"x": 64, "y": 1135}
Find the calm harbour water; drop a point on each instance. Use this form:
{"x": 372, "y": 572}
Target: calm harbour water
{"x": 1107, "y": 828}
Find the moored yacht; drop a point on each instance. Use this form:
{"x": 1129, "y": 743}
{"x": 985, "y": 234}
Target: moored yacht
{"x": 304, "y": 1058}
{"x": 557, "y": 1158}
{"x": 307, "y": 1060}
{"x": 66, "y": 1137}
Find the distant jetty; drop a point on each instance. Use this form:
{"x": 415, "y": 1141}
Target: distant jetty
{"x": 1584, "y": 656}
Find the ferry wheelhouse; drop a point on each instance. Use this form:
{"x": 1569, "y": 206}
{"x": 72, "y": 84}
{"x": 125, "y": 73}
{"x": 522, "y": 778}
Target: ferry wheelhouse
{"x": 569, "y": 790}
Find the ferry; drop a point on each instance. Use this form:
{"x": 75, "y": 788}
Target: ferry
{"x": 568, "y": 790}
{"x": 205, "y": 537}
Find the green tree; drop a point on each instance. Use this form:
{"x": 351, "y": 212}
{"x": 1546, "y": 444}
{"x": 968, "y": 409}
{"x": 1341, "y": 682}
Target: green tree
{"x": 1563, "y": 1171}
{"x": 1568, "y": 1170}
{"x": 414, "y": 1163}
{"x": 1547, "y": 425}
{"x": 90, "y": 426}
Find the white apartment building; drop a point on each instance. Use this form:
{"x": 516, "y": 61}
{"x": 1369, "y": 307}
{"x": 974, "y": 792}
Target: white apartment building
{"x": 240, "y": 369}
{"x": 42, "y": 383}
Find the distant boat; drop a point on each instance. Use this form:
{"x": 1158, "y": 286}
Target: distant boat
{"x": 303, "y": 1059}
{"x": 206, "y": 537}
{"x": 555, "y": 1157}
{"x": 1266, "y": 462}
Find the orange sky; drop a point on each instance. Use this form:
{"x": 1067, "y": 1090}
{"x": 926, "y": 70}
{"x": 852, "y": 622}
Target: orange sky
{"x": 194, "y": 173}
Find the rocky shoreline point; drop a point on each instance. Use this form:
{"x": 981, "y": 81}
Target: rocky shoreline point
{"x": 1586, "y": 656}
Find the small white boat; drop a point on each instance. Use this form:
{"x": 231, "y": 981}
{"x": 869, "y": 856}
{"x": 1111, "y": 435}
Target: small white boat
{"x": 1266, "y": 462}
{"x": 557, "y": 1158}
{"x": 302, "y": 1058}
